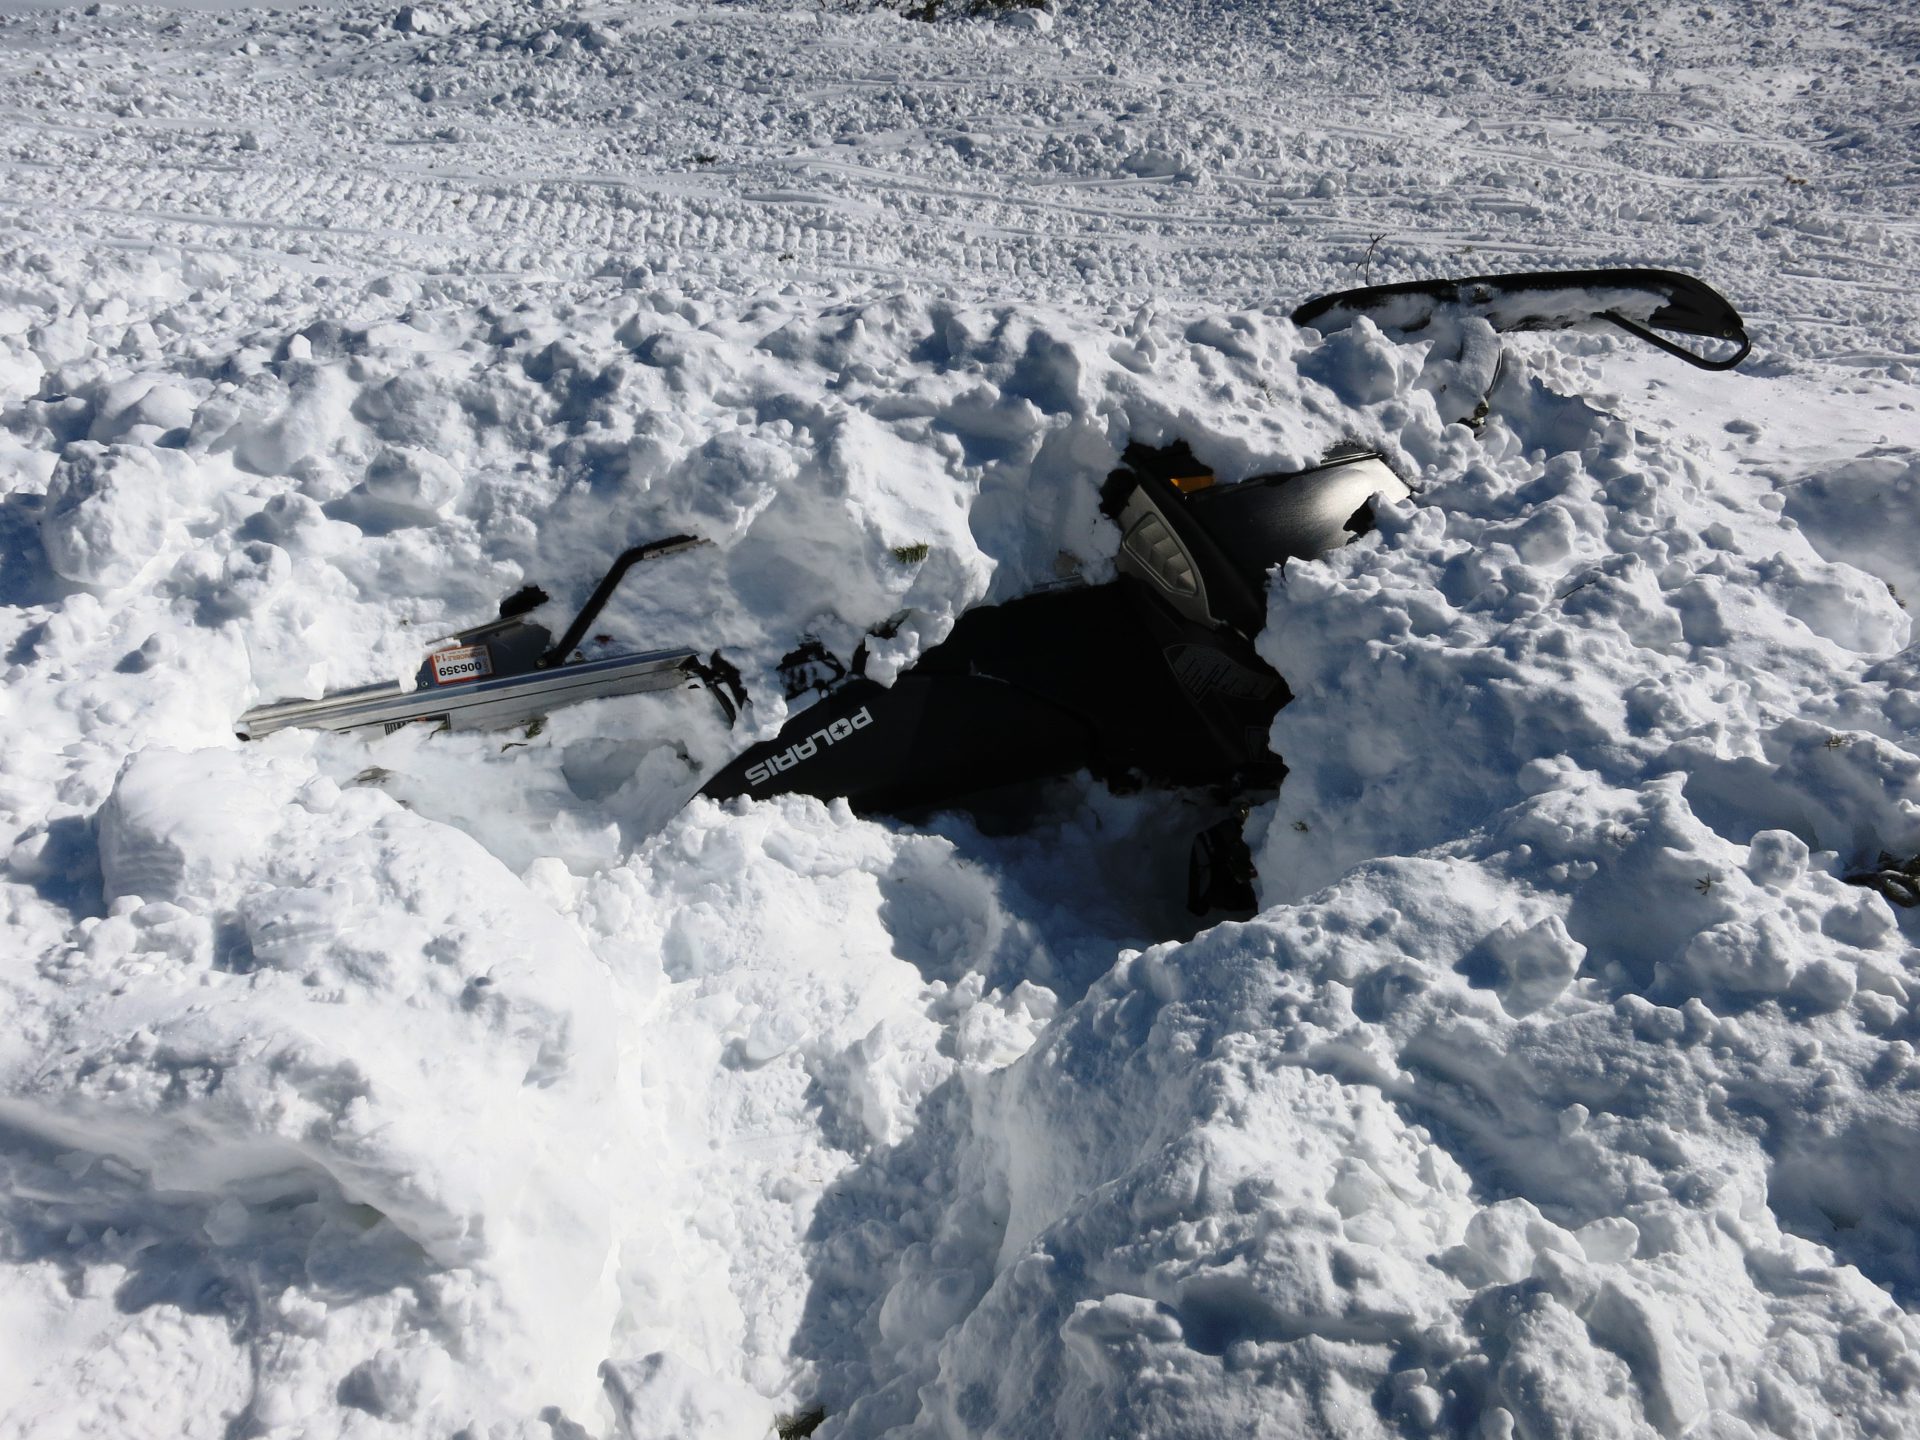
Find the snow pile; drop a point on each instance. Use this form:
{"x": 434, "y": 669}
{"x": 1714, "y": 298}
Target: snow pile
{"x": 374, "y": 1025}
{"x": 284, "y": 971}
{"x": 1579, "y": 598}
{"x": 1389, "y": 1163}
{"x": 1576, "y": 1099}
{"x": 1564, "y": 1085}
{"x": 1593, "y": 1118}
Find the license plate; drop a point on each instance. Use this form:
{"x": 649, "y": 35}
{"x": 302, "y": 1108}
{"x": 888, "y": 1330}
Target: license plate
{"x": 468, "y": 662}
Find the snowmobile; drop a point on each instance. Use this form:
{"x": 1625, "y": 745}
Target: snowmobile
{"x": 1149, "y": 679}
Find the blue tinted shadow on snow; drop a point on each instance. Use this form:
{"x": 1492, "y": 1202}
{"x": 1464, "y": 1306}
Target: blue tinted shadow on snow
{"x": 67, "y": 873}
{"x": 580, "y": 392}
{"x": 1218, "y": 1311}
{"x": 25, "y": 577}
{"x": 596, "y": 468}
{"x": 77, "y": 1211}
{"x": 1385, "y": 990}
{"x": 1857, "y": 1192}
{"x": 1738, "y": 798}
{"x": 1046, "y": 883}
{"x": 1481, "y": 966}
{"x": 233, "y": 946}
{"x": 862, "y": 1230}
{"x": 26, "y": 645}
{"x": 375, "y": 517}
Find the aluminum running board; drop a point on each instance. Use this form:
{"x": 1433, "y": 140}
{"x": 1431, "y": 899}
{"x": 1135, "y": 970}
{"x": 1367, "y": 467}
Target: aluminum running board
{"x": 478, "y": 704}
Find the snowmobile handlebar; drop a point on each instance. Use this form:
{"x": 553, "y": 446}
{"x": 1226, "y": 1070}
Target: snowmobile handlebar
{"x": 576, "y": 632}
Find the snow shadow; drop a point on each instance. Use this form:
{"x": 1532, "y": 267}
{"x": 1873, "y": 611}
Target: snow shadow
{"x": 26, "y": 579}
{"x": 1053, "y": 881}
{"x": 1045, "y": 885}
{"x": 60, "y": 862}
{"x": 79, "y": 1211}
{"x": 892, "y": 1216}
{"x": 1857, "y": 1192}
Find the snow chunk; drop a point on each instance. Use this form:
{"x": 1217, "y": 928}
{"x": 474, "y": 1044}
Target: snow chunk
{"x": 110, "y": 510}
{"x": 1536, "y": 963}
{"x": 182, "y": 825}
{"x": 1033, "y": 20}
{"x": 1359, "y": 364}
{"x": 413, "y": 480}
{"x": 142, "y": 412}
{"x": 1866, "y": 512}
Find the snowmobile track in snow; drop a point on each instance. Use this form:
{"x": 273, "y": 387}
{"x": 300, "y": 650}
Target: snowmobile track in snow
{"x": 946, "y": 154}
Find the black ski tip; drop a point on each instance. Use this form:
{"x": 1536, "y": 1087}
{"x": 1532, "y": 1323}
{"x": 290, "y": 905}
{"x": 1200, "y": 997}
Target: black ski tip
{"x": 1637, "y": 300}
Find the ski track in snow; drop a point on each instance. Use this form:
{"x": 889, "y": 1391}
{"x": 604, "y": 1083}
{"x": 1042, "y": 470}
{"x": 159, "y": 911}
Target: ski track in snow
{"x": 470, "y": 1084}
{"x": 809, "y": 146}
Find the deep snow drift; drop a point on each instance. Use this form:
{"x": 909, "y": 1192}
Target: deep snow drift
{"x": 425, "y": 1084}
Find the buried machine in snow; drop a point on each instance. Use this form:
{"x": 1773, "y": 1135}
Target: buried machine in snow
{"x": 1150, "y": 678}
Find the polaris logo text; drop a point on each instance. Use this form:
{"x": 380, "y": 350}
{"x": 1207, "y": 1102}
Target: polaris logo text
{"x": 808, "y": 748}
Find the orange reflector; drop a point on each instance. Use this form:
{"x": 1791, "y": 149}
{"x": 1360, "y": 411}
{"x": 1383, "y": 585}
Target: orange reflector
{"x": 1187, "y": 484}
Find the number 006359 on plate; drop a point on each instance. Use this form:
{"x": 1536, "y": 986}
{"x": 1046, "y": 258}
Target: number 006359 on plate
{"x": 468, "y": 662}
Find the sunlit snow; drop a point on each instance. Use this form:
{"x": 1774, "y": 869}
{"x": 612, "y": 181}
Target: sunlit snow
{"x": 492, "y": 1085}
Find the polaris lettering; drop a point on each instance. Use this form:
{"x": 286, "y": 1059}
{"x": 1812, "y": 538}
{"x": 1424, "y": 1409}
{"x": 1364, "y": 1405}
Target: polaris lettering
{"x": 806, "y": 749}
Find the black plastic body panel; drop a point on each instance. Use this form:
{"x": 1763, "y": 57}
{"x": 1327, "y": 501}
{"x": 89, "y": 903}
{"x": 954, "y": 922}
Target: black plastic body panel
{"x": 1104, "y": 678}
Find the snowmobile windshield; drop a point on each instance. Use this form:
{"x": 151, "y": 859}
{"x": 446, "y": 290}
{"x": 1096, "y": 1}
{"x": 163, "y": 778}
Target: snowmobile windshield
{"x": 1262, "y": 521}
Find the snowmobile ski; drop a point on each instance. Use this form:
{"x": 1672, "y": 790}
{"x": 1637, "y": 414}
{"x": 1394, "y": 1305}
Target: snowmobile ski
{"x": 475, "y": 701}
{"x": 504, "y": 672}
{"x": 1641, "y": 302}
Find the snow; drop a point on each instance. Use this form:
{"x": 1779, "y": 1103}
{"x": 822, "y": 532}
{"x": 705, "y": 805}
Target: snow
{"x": 1563, "y": 1085}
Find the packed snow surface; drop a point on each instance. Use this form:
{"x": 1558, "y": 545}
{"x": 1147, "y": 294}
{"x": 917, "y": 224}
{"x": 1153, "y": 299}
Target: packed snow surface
{"x": 1563, "y": 1087}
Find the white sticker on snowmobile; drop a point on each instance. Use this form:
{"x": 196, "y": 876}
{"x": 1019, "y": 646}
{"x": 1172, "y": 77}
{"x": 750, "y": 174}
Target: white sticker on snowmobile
{"x": 808, "y": 748}
{"x": 468, "y": 662}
